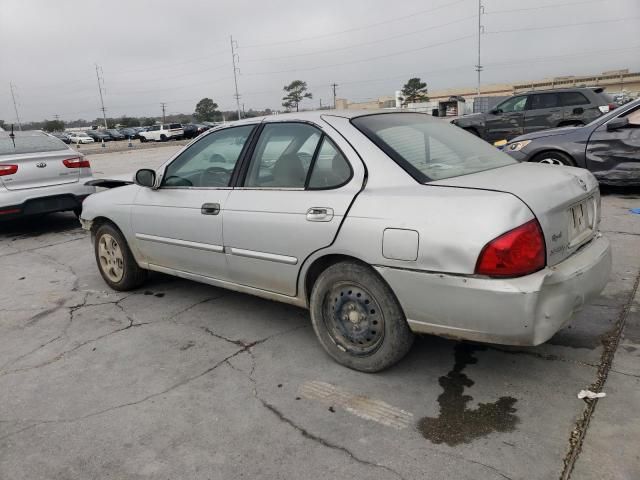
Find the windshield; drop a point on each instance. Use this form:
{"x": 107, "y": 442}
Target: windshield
{"x": 29, "y": 143}
{"x": 430, "y": 149}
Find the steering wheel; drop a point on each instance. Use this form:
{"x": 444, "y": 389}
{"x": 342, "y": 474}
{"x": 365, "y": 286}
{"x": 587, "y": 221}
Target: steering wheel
{"x": 175, "y": 181}
{"x": 219, "y": 177}
{"x": 217, "y": 158}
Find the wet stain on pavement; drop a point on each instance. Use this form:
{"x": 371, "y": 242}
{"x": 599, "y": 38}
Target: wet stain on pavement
{"x": 149, "y": 292}
{"x": 457, "y": 423}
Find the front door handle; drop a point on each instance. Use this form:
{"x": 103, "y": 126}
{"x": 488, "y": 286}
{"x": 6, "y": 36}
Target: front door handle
{"x": 578, "y": 111}
{"x": 210, "y": 209}
{"x": 319, "y": 214}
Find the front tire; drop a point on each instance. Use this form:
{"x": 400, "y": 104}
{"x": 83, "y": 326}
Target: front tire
{"x": 358, "y": 319}
{"x": 554, "y": 158}
{"x": 115, "y": 260}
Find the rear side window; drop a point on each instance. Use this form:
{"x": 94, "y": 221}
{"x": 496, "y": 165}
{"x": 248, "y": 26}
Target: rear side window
{"x": 25, "y": 143}
{"x": 430, "y": 149}
{"x": 330, "y": 169}
{"x": 175, "y": 125}
{"x": 567, "y": 99}
{"x": 543, "y": 100}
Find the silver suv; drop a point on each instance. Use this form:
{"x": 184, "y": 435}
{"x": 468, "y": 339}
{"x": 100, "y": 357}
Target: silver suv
{"x": 538, "y": 110}
{"x": 40, "y": 174}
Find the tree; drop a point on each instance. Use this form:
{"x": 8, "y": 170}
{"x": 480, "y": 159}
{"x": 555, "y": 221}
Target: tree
{"x": 206, "y": 110}
{"x": 296, "y": 92}
{"x": 53, "y": 126}
{"x": 129, "y": 121}
{"x": 414, "y": 91}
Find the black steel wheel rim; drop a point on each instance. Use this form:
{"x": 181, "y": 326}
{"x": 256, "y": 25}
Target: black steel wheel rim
{"x": 353, "y": 318}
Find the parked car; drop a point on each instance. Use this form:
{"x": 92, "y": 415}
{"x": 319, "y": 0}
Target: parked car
{"x": 192, "y": 130}
{"x": 80, "y": 137}
{"x": 99, "y": 135}
{"x": 382, "y": 224}
{"x": 115, "y": 134}
{"x": 129, "y": 133}
{"x": 162, "y": 133}
{"x": 538, "y": 110}
{"x": 40, "y": 174}
{"x": 62, "y": 136}
{"x": 609, "y": 146}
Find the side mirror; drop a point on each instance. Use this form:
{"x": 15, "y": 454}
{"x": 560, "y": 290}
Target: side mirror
{"x": 145, "y": 177}
{"x": 617, "y": 123}
{"x": 495, "y": 111}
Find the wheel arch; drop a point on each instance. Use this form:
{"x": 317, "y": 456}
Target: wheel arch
{"x": 319, "y": 265}
{"x": 552, "y": 150}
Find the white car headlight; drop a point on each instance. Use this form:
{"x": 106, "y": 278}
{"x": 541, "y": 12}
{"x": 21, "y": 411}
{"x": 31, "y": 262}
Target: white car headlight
{"x": 517, "y": 146}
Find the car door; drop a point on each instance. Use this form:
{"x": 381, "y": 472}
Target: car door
{"x": 543, "y": 111}
{"x": 295, "y": 191}
{"x": 178, "y": 226}
{"x": 618, "y": 149}
{"x": 506, "y": 120}
{"x": 576, "y": 108}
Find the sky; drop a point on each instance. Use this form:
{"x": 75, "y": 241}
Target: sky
{"x": 153, "y": 51}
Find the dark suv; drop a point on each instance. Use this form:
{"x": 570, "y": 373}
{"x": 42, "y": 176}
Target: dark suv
{"x": 538, "y": 110}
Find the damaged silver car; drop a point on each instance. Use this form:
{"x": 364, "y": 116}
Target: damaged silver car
{"x": 383, "y": 224}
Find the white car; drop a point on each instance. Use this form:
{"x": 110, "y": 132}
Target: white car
{"x": 80, "y": 137}
{"x": 40, "y": 174}
{"x": 162, "y": 133}
{"x": 381, "y": 223}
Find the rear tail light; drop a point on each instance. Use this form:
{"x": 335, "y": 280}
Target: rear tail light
{"x": 8, "y": 169}
{"x": 604, "y": 108}
{"x": 77, "y": 162}
{"x": 518, "y": 252}
{"x": 612, "y": 106}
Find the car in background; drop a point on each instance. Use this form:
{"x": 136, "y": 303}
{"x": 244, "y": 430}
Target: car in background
{"x": 61, "y": 136}
{"x": 192, "y": 130}
{"x": 99, "y": 135}
{"x": 162, "y": 133}
{"x": 129, "y": 133}
{"x": 538, "y": 110}
{"x": 40, "y": 174}
{"x": 115, "y": 134}
{"x": 382, "y": 223}
{"x": 609, "y": 146}
{"x": 80, "y": 137}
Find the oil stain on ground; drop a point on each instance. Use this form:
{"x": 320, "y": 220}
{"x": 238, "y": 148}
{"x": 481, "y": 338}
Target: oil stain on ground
{"x": 457, "y": 423}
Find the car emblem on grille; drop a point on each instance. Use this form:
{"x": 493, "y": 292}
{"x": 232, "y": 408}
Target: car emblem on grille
{"x": 582, "y": 184}
{"x": 41, "y": 164}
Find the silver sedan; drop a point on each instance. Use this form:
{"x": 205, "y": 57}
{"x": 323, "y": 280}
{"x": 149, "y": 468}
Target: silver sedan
{"x": 381, "y": 223}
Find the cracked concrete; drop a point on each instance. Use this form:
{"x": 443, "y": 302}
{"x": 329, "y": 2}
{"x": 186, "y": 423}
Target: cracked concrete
{"x": 183, "y": 380}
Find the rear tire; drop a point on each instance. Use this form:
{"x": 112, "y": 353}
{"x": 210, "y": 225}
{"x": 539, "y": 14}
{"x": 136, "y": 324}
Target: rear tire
{"x": 115, "y": 260}
{"x": 163, "y": 138}
{"x": 554, "y": 158}
{"x": 358, "y": 319}
{"x": 142, "y": 139}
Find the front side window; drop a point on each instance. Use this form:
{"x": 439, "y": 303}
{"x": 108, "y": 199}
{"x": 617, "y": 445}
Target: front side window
{"x": 208, "y": 163}
{"x": 282, "y": 156}
{"x": 429, "y": 149}
{"x": 515, "y": 104}
{"x": 543, "y": 100}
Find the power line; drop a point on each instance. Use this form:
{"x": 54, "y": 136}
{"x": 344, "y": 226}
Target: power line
{"x": 565, "y": 25}
{"x": 540, "y": 7}
{"x": 236, "y": 71}
{"x": 15, "y": 106}
{"x": 363, "y": 27}
{"x": 401, "y": 52}
{"x": 355, "y": 45}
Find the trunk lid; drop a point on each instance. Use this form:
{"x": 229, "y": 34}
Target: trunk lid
{"x": 41, "y": 169}
{"x": 565, "y": 200}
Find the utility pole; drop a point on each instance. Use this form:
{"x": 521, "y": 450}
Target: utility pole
{"x": 15, "y": 105}
{"x": 334, "y": 85}
{"x": 164, "y": 106}
{"x": 480, "y": 31}
{"x": 100, "y": 87}
{"x": 235, "y": 58}
{"x": 56, "y": 117}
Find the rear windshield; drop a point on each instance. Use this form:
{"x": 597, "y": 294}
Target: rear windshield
{"x": 428, "y": 148}
{"x": 29, "y": 144}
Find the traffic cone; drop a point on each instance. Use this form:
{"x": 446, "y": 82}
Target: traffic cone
{"x": 103, "y": 145}
{"x": 130, "y": 144}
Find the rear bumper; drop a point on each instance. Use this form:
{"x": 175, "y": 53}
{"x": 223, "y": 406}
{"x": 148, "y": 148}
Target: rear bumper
{"x": 520, "y": 311}
{"x": 58, "y": 198}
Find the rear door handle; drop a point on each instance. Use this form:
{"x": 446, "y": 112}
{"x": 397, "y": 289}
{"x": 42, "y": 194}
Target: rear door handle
{"x": 210, "y": 209}
{"x": 319, "y": 214}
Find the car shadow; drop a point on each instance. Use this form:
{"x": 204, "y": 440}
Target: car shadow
{"x": 620, "y": 191}
{"x": 35, "y": 226}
